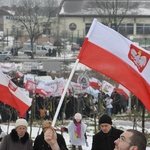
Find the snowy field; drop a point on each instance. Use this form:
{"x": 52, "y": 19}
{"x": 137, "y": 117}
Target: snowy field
{"x": 90, "y": 131}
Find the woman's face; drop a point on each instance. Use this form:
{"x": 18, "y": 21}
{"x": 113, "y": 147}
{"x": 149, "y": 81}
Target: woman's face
{"x": 21, "y": 130}
{"x": 78, "y": 120}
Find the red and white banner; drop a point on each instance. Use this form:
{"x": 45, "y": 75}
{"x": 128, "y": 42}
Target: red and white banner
{"x": 19, "y": 74}
{"x": 30, "y": 86}
{"x": 95, "y": 83}
{"x": 6, "y": 68}
{"x": 76, "y": 88}
{"x": 108, "y": 52}
{"x": 11, "y": 95}
{"x": 60, "y": 86}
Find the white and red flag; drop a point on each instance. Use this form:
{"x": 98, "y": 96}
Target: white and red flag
{"x": 30, "y": 86}
{"x": 95, "y": 83}
{"x": 11, "y": 95}
{"x": 19, "y": 74}
{"x": 108, "y": 52}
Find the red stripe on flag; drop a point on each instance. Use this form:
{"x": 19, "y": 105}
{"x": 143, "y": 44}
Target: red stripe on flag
{"x": 105, "y": 62}
{"x": 8, "y": 98}
{"x": 94, "y": 84}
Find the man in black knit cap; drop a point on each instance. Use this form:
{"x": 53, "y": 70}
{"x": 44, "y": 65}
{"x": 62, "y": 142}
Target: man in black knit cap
{"x": 104, "y": 139}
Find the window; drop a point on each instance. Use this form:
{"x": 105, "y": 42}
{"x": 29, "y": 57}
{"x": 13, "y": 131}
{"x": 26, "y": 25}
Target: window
{"x": 129, "y": 28}
{"x": 147, "y": 29}
{"x": 47, "y": 31}
{"x": 143, "y": 29}
{"x": 87, "y": 27}
{"x": 126, "y": 29}
{"x": 122, "y": 29}
{"x": 139, "y": 29}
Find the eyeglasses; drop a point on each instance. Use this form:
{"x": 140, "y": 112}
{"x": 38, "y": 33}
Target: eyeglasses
{"x": 121, "y": 139}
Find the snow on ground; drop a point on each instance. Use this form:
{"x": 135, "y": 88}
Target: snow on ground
{"x": 90, "y": 131}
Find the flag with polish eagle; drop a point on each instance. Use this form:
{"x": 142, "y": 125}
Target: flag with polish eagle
{"x": 108, "y": 52}
{"x": 12, "y": 95}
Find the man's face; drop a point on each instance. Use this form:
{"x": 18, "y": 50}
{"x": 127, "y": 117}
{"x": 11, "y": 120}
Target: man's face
{"x": 105, "y": 127}
{"x": 124, "y": 143}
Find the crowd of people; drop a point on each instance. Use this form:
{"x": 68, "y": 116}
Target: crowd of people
{"x": 107, "y": 138}
{"x": 45, "y": 107}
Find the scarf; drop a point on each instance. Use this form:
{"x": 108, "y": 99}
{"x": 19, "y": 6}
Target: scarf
{"x": 78, "y": 130}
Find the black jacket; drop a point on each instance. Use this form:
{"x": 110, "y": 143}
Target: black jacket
{"x": 105, "y": 141}
{"x": 41, "y": 144}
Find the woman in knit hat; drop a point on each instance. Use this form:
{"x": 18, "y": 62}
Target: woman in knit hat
{"x": 77, "y": 132}
{"x": 49, "y": 139}
{"x": 104, "y": 139}
{"x": 18, "y": 139}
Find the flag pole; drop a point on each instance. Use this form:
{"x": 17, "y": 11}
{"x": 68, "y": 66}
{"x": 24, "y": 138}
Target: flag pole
{"x": 64, "y": 93}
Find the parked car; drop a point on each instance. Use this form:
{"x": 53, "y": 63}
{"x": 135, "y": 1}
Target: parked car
{"x": 75, "y": 47}
{"x": 5, "y": 55}
{"x": 38, "y": 50}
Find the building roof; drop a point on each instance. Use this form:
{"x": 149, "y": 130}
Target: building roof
{"x": 6, "y": 11}
{"x": 84, "y": 7}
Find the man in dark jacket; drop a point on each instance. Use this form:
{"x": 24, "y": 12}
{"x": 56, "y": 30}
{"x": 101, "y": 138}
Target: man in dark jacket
{"x": 104, "y": 139}
{"x": 41, "y": 144}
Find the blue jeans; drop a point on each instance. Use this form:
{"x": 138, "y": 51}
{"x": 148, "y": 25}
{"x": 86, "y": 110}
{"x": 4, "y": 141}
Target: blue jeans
{"x": 108, "y": 111}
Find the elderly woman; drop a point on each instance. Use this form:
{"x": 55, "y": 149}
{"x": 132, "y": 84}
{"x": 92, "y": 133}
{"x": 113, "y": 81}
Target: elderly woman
{"x": 18, "y": 139}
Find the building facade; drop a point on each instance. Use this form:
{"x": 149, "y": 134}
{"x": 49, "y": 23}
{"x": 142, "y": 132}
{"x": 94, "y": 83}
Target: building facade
{"x": 75, "y": 18}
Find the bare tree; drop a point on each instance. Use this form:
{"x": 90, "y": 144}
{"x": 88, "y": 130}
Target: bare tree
{"x": 9, "y": 112}
{"x": 35, "y": 17}
{"x": 113, "y": 12}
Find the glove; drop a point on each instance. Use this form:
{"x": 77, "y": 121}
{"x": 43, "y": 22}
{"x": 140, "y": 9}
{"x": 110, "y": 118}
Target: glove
{"x": 62, "y": 128}
{"x": 87, "y": 144}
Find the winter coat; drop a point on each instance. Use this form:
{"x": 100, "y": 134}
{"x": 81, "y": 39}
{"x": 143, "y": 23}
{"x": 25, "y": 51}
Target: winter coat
{"x": 72, "y": 134}
{"x": 41, "y": 144}
{"x": 12, "y": 142}
{"x": 105, "y": 141}
{"x": 2, "y": 134}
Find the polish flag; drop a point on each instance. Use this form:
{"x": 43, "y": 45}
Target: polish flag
{"x": 19, "y": 74}
{"x": 11, "y": 95}
{"x": 108, "y": 52}
{"x": 95, "y": 83}
{"x": 41, "y": 92}
{"x": 30, "y": 86}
